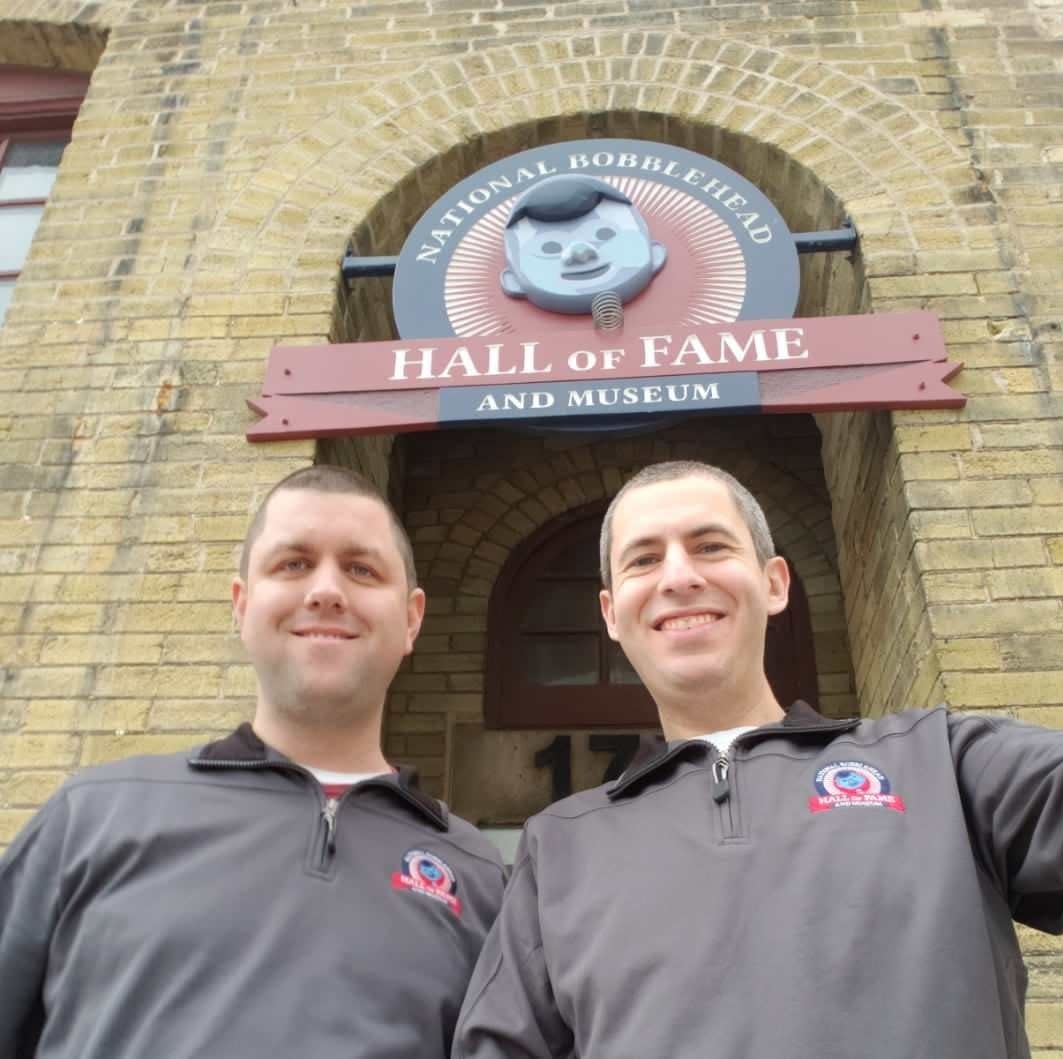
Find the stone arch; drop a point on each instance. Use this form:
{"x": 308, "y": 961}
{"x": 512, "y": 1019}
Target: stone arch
{"x": 817, "y": 139}
{"x": 471, "y": 503}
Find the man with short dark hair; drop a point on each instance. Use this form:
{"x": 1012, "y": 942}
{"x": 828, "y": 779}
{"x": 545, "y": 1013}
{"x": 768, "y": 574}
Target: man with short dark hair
{"x": 283, "y": 891}
{"x": 767, "y": 883}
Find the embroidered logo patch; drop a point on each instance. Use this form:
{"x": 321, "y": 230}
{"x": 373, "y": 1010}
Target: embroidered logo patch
{"x": 425, "y": 873}
{"x": 849, "y": 784}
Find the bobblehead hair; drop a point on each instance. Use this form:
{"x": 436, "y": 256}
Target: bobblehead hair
{"x": 564, "y": 198}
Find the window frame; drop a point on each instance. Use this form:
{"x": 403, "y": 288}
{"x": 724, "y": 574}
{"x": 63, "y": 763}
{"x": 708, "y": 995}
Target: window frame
{"x": 510, "y": 703}
{"x": 36, "y": 104}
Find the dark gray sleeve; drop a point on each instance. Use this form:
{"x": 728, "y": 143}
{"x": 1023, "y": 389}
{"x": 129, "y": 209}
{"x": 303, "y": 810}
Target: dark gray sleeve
{"x": 1010, "y": 777}
{"x": 29, "y": 886}
{"x": 509, "y": 1010}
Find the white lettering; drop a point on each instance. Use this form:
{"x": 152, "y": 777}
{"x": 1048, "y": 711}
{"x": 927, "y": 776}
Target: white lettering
{"x": 580, "y": 398}
{"x": 494, "y": 365}
{"x": 693, "y": 176}
{"x": 424, "y": 362}
{"x": 479, "y": 195}
{"x": 488, "y": 404}
{"x": 460, "y": 360}
{"x": 729, "y": 344}
{"x": 612, "y": 357}
{"x": 787, "y": 338}
{"x": 578, "y": 161}
{"x": 528, "y": 367}
{"x": 692, "y": 348}
{"x": 654, "y": 346}
{"x": 581, "y": 360}
{"x": 734, "y": 202}
{"x": 627, "y": 161}
{"x": 601, "y": 159}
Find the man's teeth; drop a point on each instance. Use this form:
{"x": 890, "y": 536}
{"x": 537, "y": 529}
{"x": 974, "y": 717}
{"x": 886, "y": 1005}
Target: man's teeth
{"x": 689, "y": 621}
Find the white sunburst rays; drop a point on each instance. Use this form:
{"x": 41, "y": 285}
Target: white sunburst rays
{"x": 469, "y": 282}
{"x": 716, "y": 259}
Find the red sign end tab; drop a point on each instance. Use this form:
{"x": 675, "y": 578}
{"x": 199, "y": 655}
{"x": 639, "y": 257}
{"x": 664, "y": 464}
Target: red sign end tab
{"x": 867, "y": 388}
{"x": 331, "y": 415}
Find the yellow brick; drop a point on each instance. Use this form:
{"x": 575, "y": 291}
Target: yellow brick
{"x": 102, "y": 748}
{"x": 38, "y": 751}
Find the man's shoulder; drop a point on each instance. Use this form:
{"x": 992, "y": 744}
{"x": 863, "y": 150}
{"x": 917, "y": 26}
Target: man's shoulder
{"x": 898, "y": 722}
{"x": 471, "y": 841}
{"x": 577, "y": 805}
{"x": 137, "y": 769}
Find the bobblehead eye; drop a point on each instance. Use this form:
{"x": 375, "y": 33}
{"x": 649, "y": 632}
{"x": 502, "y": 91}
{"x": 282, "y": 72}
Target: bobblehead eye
{"x": 605, "y": 234}
{"x": 551, "y": 246}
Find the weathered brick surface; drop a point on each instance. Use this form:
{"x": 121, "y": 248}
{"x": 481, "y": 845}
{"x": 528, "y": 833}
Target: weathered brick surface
{"x": 228, "y": 152}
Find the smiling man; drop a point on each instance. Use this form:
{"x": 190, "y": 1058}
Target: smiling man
{"x": 767, "y": 882}
{"x": 283, "y": 891}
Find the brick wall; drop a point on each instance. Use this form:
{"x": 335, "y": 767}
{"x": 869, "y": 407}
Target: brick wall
{"x": 226, "y": 153}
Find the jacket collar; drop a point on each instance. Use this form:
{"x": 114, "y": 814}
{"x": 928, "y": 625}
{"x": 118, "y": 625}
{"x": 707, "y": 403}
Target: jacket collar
{"x": 800, "y": 720}
{"x": 243, "y": 749}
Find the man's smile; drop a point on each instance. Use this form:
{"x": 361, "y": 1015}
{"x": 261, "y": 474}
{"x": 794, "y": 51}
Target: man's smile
{"x": 324, "y": 633}
{"x": 678, "y": 622}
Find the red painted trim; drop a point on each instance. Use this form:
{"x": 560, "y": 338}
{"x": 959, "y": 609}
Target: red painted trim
{"x": 33, "y": 100}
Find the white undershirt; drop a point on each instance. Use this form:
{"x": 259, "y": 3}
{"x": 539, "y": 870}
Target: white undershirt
{"x": 327, "y": 778}
{"x": 723, "y": 740}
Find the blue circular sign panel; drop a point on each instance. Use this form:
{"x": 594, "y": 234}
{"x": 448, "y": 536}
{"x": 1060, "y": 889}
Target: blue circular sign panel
{"x": 527, "y": 243}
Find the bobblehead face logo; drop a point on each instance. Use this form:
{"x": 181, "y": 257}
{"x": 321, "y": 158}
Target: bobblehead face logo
{"x": 571, "y": 238}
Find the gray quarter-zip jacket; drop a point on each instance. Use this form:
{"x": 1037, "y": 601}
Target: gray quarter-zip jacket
{"x": 833, "y": 889}
{"x": 216, "y": 905}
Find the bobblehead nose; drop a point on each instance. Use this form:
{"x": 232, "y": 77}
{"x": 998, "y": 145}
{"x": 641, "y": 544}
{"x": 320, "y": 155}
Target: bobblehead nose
{"x": 578, "y": 253}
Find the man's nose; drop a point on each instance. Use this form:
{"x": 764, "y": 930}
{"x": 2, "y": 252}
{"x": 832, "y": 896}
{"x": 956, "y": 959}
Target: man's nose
{"x": 325, "y": 591}
{"x": 679, "y": 572}
{"x": 578, "y": 253}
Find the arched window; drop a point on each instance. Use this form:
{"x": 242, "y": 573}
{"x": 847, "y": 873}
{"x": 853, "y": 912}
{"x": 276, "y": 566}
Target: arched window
{"x": 550, "y": 662}
{"x": 37, "y": 112}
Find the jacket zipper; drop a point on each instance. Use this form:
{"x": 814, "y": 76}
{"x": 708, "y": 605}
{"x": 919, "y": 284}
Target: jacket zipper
{"x": 721, "y": 794}
{"x": 328, "y": 845}
{"x": 329, "y": 806}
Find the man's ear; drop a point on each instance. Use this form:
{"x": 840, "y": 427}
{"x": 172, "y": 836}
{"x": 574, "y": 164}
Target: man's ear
{"x": 658, "y": 255}
{"x": 414, "y": 617}
{"x": 239, "y": 598}
{"x": 778, "y": 575}
{"x": 511, "y": 285}
{"x": 605, "y": 599}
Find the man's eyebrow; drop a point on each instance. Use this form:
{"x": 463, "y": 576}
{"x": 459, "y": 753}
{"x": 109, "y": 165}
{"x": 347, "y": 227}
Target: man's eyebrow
{"x": 296, "y": 544}
{"x": 706, "y": 530}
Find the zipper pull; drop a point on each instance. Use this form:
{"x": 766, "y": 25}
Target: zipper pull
{"x": 721, "y": 789}
{"x": 329, "y": 813}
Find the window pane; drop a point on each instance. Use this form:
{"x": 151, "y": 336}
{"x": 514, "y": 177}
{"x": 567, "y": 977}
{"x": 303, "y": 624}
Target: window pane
{"x": 29, "y": 169}
{"x": 620, "y": 671}
{"x": 560, "y": 659}
{"x": 17, "y": 225}
{"x": 563, "y": 605}
{"x": 578, "y": 556}
{"x": 6, "y": 287}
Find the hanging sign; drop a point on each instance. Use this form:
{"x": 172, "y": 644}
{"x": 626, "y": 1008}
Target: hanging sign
{"x": 831, "y": 363}
{"x": 600, "y": 282}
